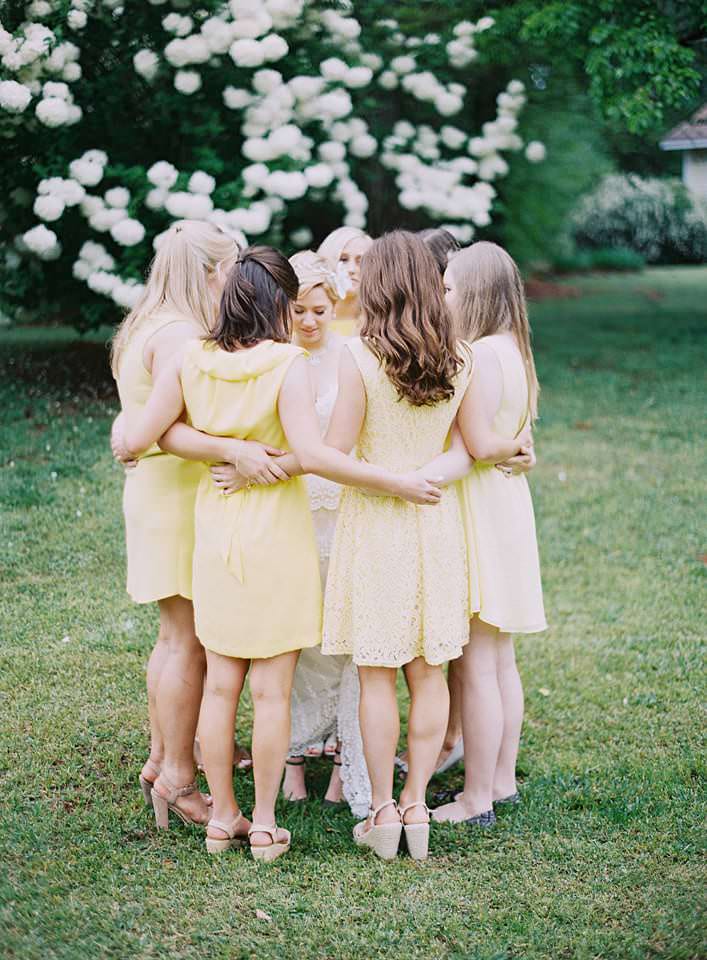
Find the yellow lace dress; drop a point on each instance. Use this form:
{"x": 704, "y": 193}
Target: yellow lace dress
{"x": 398, "y": 585}
{"x": 159, "y": 493}
{"x": 499, "y": 523}
{"x": 257, "y": 589}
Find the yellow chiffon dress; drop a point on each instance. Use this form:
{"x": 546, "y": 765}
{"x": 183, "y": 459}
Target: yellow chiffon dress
{"x": 159, "y": 493}
{"x": 499, "y": 522}
{"x": 257, "y": 589}
{"x": 398, "y": 586}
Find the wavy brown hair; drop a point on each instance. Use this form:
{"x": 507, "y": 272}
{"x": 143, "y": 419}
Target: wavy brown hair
{"x": 255, "y": 300}
{"x": 490, "y": 298}
{"x": 406, "y": 322}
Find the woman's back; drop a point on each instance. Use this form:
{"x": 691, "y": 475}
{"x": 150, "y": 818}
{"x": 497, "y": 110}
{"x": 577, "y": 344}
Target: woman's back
{"x": 513, "y": 411}
{"x": 397, "y": 434}
{"x": 236, "y": 393}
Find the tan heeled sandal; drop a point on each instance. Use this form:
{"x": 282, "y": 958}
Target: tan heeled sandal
{"x": 270, "y": 851}
{"x": 145, "y": 784}
{"x": 382, "y": 838}
{"x": 417, "y": 835}
{"x": 232, "y": 838}
{"x": 164, "y": 805}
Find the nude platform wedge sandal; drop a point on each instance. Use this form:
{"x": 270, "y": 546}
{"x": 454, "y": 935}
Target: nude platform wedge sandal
{"x": 417, "y": 835}
{"x": 382, "y": 838}
{"x": 272, "y": 850}
{"x": 232, "y": 840}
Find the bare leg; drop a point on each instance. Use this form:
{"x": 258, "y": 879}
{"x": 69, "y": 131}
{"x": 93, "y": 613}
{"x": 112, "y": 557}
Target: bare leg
{"x": 380, "y": 729}
{"x": 482, "y": 715}
{"x": 270, "y": 686}
{"x": 429, "y": 704}
{"x": 154, "y": 669}
{"x": 294, "y": 786}
{"x": 224, "y": 682}
{"x": 511, "y": 688}
{"x": 178, "y": 700}
{"x": 335, "y": 790}
{"x": 454, "y": 724}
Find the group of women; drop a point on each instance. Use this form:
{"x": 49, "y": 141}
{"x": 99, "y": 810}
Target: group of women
{"x": 325, "y": 464}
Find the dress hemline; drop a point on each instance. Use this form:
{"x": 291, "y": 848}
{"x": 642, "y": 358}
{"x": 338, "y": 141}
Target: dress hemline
{"x": 397, "y": 666}
{"x": 160, "y": 595}
{"x": 504, "y": 629}
{"x": 258, "y": 655}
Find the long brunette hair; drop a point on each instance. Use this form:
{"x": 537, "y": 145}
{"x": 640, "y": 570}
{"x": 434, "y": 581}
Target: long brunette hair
{"x": 406, "y": 322}
{"x": 490, "y": 299}
{"x": 255, "y": 300}
{"x": 442, "y": 244}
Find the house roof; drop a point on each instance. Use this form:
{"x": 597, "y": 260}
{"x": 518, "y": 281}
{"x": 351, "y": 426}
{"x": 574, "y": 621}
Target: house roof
{"x": 690, "y": 134}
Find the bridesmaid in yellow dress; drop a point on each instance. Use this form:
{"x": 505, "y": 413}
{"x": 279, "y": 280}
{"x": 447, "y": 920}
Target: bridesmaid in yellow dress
{"x": 397, "y": 592}
{"x": 257, "y": 592}
{"x": 343, "y": 250}
{"x": 485, "y": 293}
{"x": 159, "y": 495}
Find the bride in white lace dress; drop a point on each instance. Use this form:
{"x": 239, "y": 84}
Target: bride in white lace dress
{"x": 326, "y": 691}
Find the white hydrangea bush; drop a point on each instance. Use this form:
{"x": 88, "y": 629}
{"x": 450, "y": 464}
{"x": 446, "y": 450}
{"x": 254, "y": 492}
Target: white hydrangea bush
{"x": 276, "y": 119}
{"x": 658, "y": 218}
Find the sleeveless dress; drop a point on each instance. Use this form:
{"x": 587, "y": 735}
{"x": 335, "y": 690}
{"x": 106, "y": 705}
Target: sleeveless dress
{"x": 325, "y": 692}
{"x": 159, "y": 493}
{"x": 398, "y": 585}
{"x": 257, "y": 591}
{"x": 499, "y": 523}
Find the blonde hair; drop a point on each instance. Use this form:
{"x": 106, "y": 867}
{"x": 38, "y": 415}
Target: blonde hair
{"x": 178, "y": 279}
{"x": 335, "y": 243}
{"x": 491, "y": 299}
{"x": 313, "y": 271}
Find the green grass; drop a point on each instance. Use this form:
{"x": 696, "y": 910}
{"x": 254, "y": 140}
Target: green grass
{"x": 603, "y": 857}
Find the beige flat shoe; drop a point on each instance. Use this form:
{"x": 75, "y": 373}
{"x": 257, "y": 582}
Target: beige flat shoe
{"x": 382, "y": 838}
{"x": 273, "y": 850}
{"x": 233, "y": 838}
{"x": 417, "y": 835}
{"x": 164, "y": 805}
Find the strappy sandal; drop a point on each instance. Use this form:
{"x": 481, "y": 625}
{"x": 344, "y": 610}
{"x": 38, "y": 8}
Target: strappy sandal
{"x": 232, "y": 839}
{"x": 382, "y": 838}
{"x": 163, "y": 806}
{"x": 295, "y": 762}
{"x": 145, "y": 784}
{"x": 271, "y": 851}
{"x": 417, "y": 835}
{"x": 510, "y": 801}
{"x": 335, "y": 804}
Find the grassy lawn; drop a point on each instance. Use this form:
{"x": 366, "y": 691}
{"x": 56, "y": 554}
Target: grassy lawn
{"x": 602, "y": 859}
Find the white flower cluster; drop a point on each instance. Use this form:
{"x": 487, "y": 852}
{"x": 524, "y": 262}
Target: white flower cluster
{"x": 30, "y": 54}
{"x": 95, "y": 267}
{"x": 40, "y": 241}
{"x": 461, "y": 51}
{"x": 54, "y": 195}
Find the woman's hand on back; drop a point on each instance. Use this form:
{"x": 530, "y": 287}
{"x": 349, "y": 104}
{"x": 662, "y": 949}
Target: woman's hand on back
{"x": 227, "y": 479}
{"x": 417, "y": 488}
{"x": 523, "y": 462}
{"x": 256, "y": 462}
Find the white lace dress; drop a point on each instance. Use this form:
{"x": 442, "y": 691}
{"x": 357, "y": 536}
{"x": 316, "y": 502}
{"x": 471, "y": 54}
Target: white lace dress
{"x": 325, "y": 693}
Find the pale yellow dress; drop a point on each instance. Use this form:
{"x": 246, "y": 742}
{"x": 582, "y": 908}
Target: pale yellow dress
{"x": 398, "y": 585}
{"x": 159, "y": 493}
{"x": 504, "y": 568}
{"x": 257, "y": 590}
